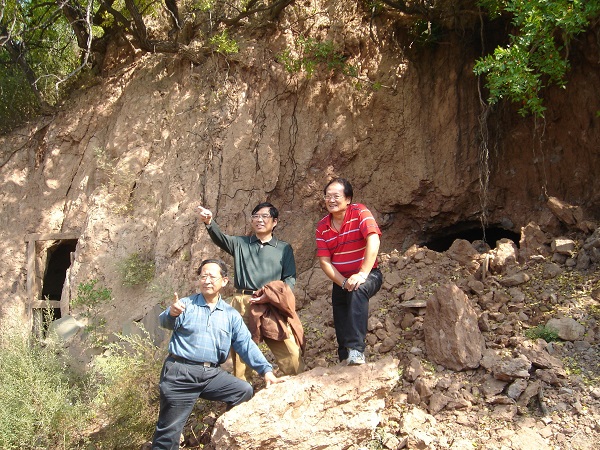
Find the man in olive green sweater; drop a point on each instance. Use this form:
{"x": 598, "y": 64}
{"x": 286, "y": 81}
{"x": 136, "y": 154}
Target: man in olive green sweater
{"x": 258, "y": 260}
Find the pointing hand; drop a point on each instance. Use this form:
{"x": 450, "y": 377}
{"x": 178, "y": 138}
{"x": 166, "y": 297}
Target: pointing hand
{"x": 205, "y": 214}
{"x": 177, "y": 307}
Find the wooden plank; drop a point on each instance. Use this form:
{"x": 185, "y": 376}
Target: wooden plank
{"x": 30, "y": 280}
{"x": 50, "y": 236}
{"x": 45, "y": 303}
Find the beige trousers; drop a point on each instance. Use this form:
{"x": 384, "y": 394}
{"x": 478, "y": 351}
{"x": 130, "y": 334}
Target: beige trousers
{"x": 287, "y": 353}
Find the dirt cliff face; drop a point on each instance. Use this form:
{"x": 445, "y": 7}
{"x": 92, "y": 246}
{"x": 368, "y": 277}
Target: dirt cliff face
{"x": 124, "y": 164}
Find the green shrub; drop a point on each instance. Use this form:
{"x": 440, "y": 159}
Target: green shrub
{"x": 90, "y": 297}
{"x": 136, "y": 270}
{"x": 542, "y": 332}
{"x": 314, "y": 54}
{"x": 222, "y": 43}
{"x": 128, "y": 375}
{"x": 42, "y": 402}
{"x": 537, "y": 53}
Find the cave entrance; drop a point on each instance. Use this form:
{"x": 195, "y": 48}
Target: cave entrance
{"x": 49, "y": 257}
{"x": 443, "y": 239}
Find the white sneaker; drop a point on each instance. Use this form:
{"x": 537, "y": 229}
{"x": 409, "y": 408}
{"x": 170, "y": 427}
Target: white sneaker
{"x": 355, "y": 358}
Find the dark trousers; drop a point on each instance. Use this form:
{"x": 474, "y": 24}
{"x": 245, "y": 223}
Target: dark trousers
{"x": 351, "y": 313}
{"x": 180, "y": 386}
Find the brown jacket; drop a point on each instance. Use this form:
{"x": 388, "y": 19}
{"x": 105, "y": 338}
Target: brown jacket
{"x": 277, "y": 309}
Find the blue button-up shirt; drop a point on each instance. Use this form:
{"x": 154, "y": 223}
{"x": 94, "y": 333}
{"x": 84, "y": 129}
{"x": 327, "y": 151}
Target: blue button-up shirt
{"x": 200, "y": 334}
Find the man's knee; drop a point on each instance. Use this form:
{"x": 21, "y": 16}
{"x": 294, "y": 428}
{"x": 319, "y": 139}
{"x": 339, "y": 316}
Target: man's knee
{"x": 245, "y": 393}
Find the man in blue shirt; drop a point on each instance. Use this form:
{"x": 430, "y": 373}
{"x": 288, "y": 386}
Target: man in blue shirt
{"x": 204, "y": 328}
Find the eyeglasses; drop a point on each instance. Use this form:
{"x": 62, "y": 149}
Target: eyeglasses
{"x": 260, "y": 216}
{"x": 335, "y": 197}
{"x": 212, "y": 278}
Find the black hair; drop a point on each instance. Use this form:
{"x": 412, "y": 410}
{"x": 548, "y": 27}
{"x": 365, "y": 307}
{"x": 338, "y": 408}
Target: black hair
{"x": 218, "y": 262}
{"x": 272, "y": 210}
{"x": 348, "y": 192}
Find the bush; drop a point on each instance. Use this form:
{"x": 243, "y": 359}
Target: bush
{"x": 542, "y": 332}
{"x": 42, "y": 402}
{"x": 128, "y": 376}
{"x": 90, "y": 298}
{"x": 136, "y": 270}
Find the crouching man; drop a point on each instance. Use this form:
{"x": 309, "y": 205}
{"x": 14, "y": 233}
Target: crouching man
{"x": 204, "y": 328}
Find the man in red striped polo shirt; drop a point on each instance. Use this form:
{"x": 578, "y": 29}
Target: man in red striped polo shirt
{"x": 347, "y": 247}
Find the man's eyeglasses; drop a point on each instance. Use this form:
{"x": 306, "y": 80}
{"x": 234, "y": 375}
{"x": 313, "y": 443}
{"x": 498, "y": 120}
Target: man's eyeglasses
{"x": 209, "y": 277}
{"x": 335, "y": 197}
{"x": 260, "y": 216}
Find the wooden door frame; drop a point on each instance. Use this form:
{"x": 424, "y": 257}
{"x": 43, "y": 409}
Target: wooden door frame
{"x": 32, "y": 289}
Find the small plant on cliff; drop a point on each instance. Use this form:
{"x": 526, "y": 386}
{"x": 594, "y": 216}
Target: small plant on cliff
{"x": 90, "y": 298}
{"x": 222, "y": 43}
{"x": 313, "y": 54}
{"x": 136, "y": 270}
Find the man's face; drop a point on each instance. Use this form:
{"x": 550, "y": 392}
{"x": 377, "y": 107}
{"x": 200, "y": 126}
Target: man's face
{"x": 335, "y": 200}
{"x": 211, "y": 281}
{"x": 262, "y": 222}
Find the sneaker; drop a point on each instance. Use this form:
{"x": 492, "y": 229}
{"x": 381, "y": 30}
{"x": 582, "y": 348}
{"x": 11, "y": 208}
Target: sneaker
{"x": 355, "y": 358}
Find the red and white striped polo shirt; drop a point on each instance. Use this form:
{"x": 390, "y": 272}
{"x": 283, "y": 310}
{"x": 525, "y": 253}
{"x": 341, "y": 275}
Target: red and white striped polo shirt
{"x": 346, "y": 249}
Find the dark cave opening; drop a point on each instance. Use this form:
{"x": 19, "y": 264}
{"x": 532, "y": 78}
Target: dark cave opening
{"x": 442, "y": 240}
{"x": 58, "y": 262}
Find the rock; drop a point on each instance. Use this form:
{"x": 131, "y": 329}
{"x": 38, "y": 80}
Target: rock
{"x": 564, "y": 246}
{"x": 414, "y": 304}
{"x": 437, "y": 402}
{"x": 492, "y": 386}
{"x": 64, "y": 328}
{"x": 416, "y": 419}
{"x": 407, "y": 320}
{"x": 510, "y": 369}
{"x": 504, "y": 412}
{"x": 414, "y": 370}
{"x": 504, "y": 255}
{"x": 568, "y": 214}
{"x": 335, "y": 406}
{"x": 527, "y": 439}
{"x": 515, "y": 279}
{"x": 537, "y": 353}
{"x": 424, "y": 388}
{"x": 463, "y": 252}
{"x": 531, "y": 391}
{"x": 516, "y": 388}
{"x": 567, "y": 328}
{"x": 533, "y": 242}
{"x": 476, "y": 286}
{"x": 452, "y": 336}
{"x": 547, "y": 376}
{"x": 552, "y": 270}
{"x": 387, "y": 345}
{"x": 583, "y": 260}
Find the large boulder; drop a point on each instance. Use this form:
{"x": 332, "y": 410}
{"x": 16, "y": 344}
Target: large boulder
{"x": 452, "y": 336}
{"x": 327, "y": 407}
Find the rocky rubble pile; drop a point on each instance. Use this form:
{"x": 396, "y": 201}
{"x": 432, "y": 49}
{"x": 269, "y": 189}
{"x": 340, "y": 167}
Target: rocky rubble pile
{"x": 469, "y": 348}
{"x": 468, "y": 327}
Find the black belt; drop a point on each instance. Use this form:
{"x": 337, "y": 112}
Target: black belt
{"x": 245, "y": 291}
{"x": 189, "y": 361}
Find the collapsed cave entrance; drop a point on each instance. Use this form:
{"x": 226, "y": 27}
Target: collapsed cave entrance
{"x": 46, "y": 302}
{"x": 441, "y": 240}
